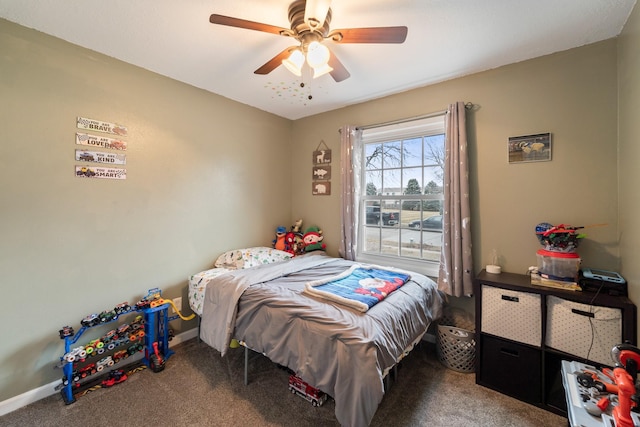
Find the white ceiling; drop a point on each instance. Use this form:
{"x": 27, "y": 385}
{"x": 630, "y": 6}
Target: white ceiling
{"x": 446, "y": 39}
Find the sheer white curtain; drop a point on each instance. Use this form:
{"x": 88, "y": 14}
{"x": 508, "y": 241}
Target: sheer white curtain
{"x": 456, "y": 263}
{"x": 350, "y": 190}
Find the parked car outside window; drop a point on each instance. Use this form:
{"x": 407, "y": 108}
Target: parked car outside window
{"x": 432, "y": 223}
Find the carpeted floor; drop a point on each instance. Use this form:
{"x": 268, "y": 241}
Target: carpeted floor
{"x": 199, "y": 388}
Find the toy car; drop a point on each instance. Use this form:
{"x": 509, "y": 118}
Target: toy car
{"x": 107, "y": 316}
{"x": 152, "y": 295}
{"x": 122, "y": 329}
{"x": 66, "y": 331}
{"x": 142, "y": 304}
{"x": 135, "y": 348}
{"x": 87, "y": 370}
{"x": 111, "y": 335}
{"x": 76, "y": 353}
{"x": 301, "y": 388}
{"x": 115, "y": 377}
{"x": 94, "y": 346}
{"x": 122, "y": 308}
{"x": 90, "y": 320}
{"x": 120, "y": 355}
{"x": 136, "y": 332}
{"x": 106, "y": 361}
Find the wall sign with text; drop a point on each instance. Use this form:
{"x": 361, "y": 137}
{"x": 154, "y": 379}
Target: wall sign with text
{"x": 92, "y": 156}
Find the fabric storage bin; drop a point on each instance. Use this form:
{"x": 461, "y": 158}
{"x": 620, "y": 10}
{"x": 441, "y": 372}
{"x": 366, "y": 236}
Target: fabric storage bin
{"x": 512, "y": 315}
{"x": 511, "y": 368}
{"x": 586, "y": 331}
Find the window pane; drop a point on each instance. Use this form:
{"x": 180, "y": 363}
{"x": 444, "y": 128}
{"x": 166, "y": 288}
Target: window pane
{"x": 422, "y": 236}
{"x": 412, "y": 181}
{"x": 434, "y": 180}
{"x": 372, "y": 212}
{"x": 410, "y": 244}
{"x": 381, "y": 227}
{"x": 391, "y": 182}
{"x": 373, "y": 156}
{"x": 392, "y": 154}
{"x": 390, "y": 212}
{"x": 412, "y": 152}
{"x": 431, "y": 245}
{"x": 372, "y": 240}
{"x": 373, "y": 183}
{"x": 434, "y": 150}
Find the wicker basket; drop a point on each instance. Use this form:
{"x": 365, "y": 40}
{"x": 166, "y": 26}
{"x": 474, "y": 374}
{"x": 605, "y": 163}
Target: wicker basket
{"x": 456, "y": 342}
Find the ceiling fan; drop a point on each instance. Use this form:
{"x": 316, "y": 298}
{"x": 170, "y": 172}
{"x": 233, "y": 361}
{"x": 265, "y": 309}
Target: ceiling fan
{"x": 310, "y": 21}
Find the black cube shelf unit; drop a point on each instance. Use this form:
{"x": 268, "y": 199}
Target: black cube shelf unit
{"x": 525, "y": 331}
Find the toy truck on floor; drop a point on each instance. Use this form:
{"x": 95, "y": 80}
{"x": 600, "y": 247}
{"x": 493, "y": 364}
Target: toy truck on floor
{"x": 301, "y": 388}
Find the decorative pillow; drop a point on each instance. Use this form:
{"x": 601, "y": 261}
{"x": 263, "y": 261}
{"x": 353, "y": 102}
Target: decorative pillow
{"x": 231, "y": 260}
{"x": 262, "y": 255}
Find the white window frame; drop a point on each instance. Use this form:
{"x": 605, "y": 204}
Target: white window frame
{"x": 427, "y": 126}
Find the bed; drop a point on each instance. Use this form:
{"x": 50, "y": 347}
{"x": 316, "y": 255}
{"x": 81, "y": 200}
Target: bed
{"x": 342, "y": 351}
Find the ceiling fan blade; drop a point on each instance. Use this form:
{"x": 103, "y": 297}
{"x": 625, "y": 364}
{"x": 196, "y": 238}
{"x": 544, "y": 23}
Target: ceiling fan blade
{"x": 249, "y": 25}
{"x": 369, "y": 35}
{"x": 339, "y": 72}
{"x": 274, "y": 62}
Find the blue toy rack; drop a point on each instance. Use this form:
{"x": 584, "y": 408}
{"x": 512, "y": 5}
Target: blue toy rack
{"x": 156, "y": 328}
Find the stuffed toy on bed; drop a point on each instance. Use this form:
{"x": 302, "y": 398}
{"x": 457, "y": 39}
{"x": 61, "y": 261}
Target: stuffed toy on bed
{"x": 313, "y": 240}
{"x": 279, "y": 242}
{"x": 297, "y": 227}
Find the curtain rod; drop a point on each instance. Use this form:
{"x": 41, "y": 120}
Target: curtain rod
{"x": 467, "y": 105}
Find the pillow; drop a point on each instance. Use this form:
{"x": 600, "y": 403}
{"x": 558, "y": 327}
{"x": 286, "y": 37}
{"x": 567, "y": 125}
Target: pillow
{"x": 238, "y": 259}
{"x": 262, "y": 255}
{"x": 231, "y": 260}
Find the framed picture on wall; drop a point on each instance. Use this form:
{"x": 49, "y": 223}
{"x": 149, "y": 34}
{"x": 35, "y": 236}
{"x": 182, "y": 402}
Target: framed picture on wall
{"x": 530, "y": 148}
{"x": 321, "y": 188}
{"x": 321, "y": 173}
{"x": 321, "y": 156}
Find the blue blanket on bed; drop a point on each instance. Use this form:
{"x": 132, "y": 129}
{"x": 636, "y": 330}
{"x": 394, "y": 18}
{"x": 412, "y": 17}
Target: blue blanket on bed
{"x": 360, "y": 287}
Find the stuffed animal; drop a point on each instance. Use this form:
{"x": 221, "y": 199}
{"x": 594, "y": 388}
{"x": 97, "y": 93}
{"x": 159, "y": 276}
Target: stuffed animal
{"x": 312, "y": 240}
{"x": 279, "y": 242}
{"x": 294, "y": 239}
{"x": 290, "y": 243}
{"x": 297, "y": 226}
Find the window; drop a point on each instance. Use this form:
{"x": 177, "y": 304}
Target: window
{"x": 401, "y": 179}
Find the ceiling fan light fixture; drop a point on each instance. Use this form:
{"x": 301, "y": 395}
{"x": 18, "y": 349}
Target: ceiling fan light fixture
{"x": 315, "y": 13}
{"x": 321, "y": 70}
{"x": 317, "y": 55}
{"x": 294, "y": 62}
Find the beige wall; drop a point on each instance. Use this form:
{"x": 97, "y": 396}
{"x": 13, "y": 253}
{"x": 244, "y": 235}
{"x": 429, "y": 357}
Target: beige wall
{"x": 629, "y": 152}
{"x": 200, "y": 180}
{"x": 571, "y": 94}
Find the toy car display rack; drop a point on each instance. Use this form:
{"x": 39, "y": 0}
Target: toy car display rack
{"x": 148, "y": 332}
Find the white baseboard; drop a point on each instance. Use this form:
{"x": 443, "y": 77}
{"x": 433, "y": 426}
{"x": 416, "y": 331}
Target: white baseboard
{"x": 184, "y": 336}
{"x": 47, "y": 390}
